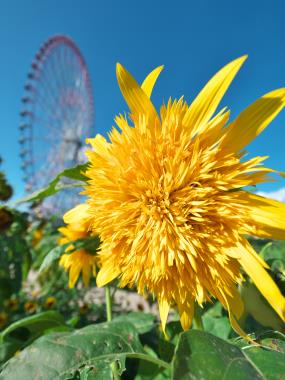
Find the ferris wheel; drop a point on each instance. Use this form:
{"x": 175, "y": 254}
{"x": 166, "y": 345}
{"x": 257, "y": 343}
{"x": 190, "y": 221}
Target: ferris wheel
{"x": 57, "y": 117}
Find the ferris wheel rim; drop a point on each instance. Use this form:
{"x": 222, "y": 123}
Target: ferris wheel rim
{"x": 41, "y": 56}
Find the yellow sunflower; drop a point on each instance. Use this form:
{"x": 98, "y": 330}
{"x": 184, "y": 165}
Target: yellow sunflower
{"x": 77, "y": 220}
{"x": 12, "y": 304}
{"x": 30, "y": 307}
{"x": 49, "y": 302}
{"x": 167, "y": 197}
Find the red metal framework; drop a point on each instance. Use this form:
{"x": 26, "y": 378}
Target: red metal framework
{"x": 57, "y": 116}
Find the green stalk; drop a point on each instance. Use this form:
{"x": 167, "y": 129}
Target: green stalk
{"x": 108, "y": 303}
{"x": 151, "y": 359}
{"x": 108, "y": 299}
{"x": 198, "y": 318}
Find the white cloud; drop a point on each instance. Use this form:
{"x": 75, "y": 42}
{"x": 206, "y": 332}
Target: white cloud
{"x": 278, "y": 195}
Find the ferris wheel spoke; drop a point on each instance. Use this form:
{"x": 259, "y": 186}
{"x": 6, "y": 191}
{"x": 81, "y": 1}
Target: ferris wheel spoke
{"x": 44, "y": 105}
{"x": 57, "y": 119}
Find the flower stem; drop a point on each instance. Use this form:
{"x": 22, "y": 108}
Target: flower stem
{"x": 108, "y": 299}
{"x": 108, "y": 303}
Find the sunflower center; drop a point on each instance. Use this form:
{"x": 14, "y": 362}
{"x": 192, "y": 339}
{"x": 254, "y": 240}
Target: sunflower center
{"x": 156, "y": 203}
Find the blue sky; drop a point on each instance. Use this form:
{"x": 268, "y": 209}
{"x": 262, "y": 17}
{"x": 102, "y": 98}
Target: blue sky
{"x": 193, "y": 39}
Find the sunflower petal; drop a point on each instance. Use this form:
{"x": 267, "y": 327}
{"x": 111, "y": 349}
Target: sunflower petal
{"x": 236, "y": 303}
{"x": 186, "y": 313}
{"x": 263, "y": 282}
{"x": 229, "y": 303}
{"x": 267, "y": 215}
{"x": 86, "y": 274}
{"x": 252, "y": 121}
{"x": 150, "y": 80}
{"x": 77, "y": 214}
{"x": 137, "y": 100}
{"x": 164, "y": 308}
{"x": 74, "y": 273}
{"x": 207, "y": 101}
{"x": 106, "y": 274}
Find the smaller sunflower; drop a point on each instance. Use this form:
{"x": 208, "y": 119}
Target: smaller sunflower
{"x": 77, "y": 220}
{"x": 49, "y": 302}
{"x": 30, "y": 307}
{"x": 12, "y": 304}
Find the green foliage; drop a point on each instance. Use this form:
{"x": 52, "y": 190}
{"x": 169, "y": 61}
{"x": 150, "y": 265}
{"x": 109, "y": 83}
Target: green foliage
{"x": 200, "y": 355}
{"x": 74, "y": 355}
{"x": 14, "y": 257}
{"x": 26, "y": 330}
{"x": 54, "y": 186}
{"x": 143, "y": 322}
{"x": 6, "y": 190}
{"x": 90, "y": 351}
{"x": 216, "y": 322}
{"x": 35, "y": 324}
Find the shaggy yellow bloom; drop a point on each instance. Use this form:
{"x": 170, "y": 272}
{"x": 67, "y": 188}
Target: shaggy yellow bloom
{"x": 77, "y": 220}
{"x": 167, "y": 197}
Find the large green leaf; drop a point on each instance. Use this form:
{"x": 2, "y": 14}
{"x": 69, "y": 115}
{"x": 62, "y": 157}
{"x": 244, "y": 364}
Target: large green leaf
{"x": 82, "y": 354}
{"x": 201, "y": 355}
{"x": 143, "y": 322}
{"x": 35, "y": 324}
{"x": 270, "y": 357}
{"x": 54, "y": 186}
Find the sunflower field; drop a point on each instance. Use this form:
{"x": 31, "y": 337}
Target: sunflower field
{"x": 172, "y": 267}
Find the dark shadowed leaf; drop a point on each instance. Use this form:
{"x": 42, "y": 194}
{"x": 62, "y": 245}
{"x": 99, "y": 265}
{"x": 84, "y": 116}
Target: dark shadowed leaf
{"x": 8, "y": 348}
{"x": 200, "y": 355}
{"x": 36, "y": 324}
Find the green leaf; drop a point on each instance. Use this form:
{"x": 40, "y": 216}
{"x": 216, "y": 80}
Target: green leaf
{"x": 269, "y": 359}
{"x": 215, "y": 323}
{"x": 273, "y": 250}
{"x": 54, "y": 186}
{"x": 150, "y": 371}
{"x": 87, "y": 352}
{"x": 143, "y": 322}
{"x": 200, "y": 355}
{"x": 35, "y": 324}
{"x": 53, "y": 255}
{"x": 217, "y": 326}
{"x": 8, "y": 348}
